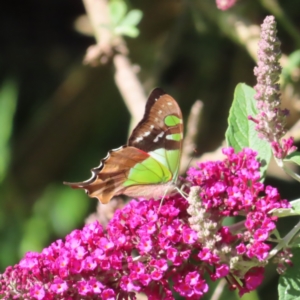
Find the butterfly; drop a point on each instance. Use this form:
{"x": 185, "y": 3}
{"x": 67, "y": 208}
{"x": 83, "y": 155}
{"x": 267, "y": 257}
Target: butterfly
{"x": 148, "y": 165}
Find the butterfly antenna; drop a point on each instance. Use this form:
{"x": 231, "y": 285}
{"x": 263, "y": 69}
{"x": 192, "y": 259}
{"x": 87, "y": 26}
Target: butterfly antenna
{"x": 190, "y": 161}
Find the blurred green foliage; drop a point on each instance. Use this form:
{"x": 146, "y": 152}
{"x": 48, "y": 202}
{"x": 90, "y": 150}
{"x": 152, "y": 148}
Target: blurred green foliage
{"x": 124, "y": 22}
{"x": 58, "y": 118}
{"x": 8, "y": 101}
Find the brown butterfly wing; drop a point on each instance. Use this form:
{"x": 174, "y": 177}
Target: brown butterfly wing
{"x": 151, "y": 132}
{"x": 107, "y": 179}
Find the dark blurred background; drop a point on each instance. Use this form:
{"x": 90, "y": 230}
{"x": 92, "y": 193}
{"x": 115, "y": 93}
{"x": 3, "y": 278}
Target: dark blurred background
{"x": 58, "y": 117}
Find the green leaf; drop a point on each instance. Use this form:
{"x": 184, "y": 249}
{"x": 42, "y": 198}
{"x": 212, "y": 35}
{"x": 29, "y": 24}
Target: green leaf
{"x": 127, "y": 25}
{"x": 287, "y": 212}
{"x": 293, "y": 157}
{"x": 289, "y": 282}
{"x": 296, "y": 205}
{"x": 132, "y": 18}
{"x": 8, "y": 101}
{"x": 117, "y": 10}
{"x": 130, "y": 31}
{"x": 295, "y": 243}
{"x": 241, "y": 132}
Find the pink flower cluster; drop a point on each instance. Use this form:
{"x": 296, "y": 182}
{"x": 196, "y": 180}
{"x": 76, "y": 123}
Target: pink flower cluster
{"x": 232, "y": 188}
{"x": 140, "y": 251}
{"x": 145, "y": 246}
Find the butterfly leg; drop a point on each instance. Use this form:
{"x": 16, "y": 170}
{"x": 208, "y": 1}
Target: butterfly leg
{"x": 163, "y": 197}
{"x": 181, "y": 192}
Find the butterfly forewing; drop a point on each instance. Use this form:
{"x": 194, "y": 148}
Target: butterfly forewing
{"x": 160, "y": 132}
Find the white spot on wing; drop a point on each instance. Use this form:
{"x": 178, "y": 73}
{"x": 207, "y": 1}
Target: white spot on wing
{"x": 170, "y": 137}
{"x": 159, "y": 112}
{"x": 138, "y": 139}
{"x": 169, "y": 103}
{"x": 147, "y": 133}
{"x": 158, "y": 137}
{"x": 151, "y": 126}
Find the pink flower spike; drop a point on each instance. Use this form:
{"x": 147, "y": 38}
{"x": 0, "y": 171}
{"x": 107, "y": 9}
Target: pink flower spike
{"x": 270, "y": 120}
{"x": 187, "y": 242}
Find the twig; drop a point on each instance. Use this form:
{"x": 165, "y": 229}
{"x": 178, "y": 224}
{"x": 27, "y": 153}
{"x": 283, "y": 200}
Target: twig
{"x": 218, "y": 290}
{"x": 104, "y": 213}
{"x": 125, "y": 77}
{"x": 129, "y": 87}
{"x": 191, "y": 134}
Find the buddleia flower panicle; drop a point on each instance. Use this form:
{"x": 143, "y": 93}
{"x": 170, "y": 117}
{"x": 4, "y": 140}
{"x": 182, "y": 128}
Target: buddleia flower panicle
{"x": 145, "y": 247}
{"x": 231, "y": 188}
{"x": 225, "y": 4}
{"x": 270, "y": 120}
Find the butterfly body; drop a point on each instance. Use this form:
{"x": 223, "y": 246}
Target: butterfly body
{"x": 149, "y": 164}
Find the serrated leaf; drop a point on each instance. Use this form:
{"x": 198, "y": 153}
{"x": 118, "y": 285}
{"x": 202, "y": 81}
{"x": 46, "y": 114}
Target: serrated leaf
{"x": 241, "y": 132}
{"x": 130, "y": 31}
{"x": 293, "y": 157}
{"x": 132, "y": 18}
{"x": 289, "y": 282}
{"x": 117, "y": 11}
